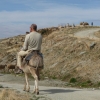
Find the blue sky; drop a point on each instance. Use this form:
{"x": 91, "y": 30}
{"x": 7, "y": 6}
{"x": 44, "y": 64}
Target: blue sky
{"x": 16, "y": 16}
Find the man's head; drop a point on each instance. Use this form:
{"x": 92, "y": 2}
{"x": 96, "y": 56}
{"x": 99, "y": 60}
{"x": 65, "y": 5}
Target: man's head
{"x": 33, "y": 27}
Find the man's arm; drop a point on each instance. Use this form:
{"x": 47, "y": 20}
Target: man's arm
{"x": 25, "y": 45}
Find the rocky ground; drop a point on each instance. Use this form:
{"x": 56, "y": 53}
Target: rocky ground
{"x": 68, "y": 57}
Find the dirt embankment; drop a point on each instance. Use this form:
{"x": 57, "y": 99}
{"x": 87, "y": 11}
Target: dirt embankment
{"x": 65, "y": 56}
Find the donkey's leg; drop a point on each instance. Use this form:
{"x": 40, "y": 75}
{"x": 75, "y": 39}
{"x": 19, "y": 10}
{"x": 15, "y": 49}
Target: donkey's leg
{"x": 33, "y": 72}
{"x": 36, "y": 85}
{"x": 34, "y": 90}
{"x": 25, "y": 84}
{"x": 38, "y": 74}
{"x": 26, "y": 87}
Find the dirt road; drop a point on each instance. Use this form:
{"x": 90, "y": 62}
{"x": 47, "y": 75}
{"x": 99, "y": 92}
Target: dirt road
{"x": 87, "y": 34}
{"x": 51, "y": 93}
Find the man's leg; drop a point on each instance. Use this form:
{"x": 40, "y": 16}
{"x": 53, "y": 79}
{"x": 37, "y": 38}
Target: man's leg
{"x": 19, "y": 58}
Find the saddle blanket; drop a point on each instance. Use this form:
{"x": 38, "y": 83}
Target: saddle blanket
{"x": 28, "y": 57}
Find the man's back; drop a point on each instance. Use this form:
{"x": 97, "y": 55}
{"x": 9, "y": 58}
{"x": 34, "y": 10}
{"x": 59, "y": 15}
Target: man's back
{"x": 34, "y": 41}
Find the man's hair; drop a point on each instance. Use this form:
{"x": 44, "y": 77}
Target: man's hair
{"x": 34, "y": 26}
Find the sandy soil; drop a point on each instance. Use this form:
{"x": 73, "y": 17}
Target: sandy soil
{"x": 87, "y": 34}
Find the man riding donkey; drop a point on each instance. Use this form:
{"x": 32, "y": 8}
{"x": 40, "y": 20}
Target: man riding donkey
{"x": 32, "y": 43}
{"x": 30, "y": 59}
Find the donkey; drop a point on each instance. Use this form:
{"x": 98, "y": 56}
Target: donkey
{"x": 2, "y": 67}
{"x": 11, "y": 66}
{"x": 33, "y": 66}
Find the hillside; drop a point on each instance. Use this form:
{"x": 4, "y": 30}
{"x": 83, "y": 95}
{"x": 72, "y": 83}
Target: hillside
{"x": 65, "y": 56}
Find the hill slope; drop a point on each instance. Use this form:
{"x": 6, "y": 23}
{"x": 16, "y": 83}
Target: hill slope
{"x": 65, "y": 56}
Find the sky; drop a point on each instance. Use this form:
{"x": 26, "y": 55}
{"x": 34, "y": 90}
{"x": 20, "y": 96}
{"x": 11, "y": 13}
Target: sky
{"x": 16, "y": 16}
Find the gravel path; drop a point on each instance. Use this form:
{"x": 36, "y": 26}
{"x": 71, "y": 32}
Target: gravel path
{"x": 87, "y": 34}
{"x": 51, "y": 93}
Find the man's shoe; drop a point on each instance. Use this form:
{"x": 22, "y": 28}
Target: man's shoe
{"x": 19, "y": 71}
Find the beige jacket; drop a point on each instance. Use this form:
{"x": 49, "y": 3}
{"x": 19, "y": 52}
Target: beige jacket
{"x": 32, "y": 41}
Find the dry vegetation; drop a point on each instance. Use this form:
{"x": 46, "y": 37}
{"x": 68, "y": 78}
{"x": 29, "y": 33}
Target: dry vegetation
{"x": 7, "y": 94}
{"x": 97, "y": 34}
{"x": 65, "y": 57}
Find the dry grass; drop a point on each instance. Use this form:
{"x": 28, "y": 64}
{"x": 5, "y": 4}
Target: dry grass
{"x": 63, "y": 54}
{"x": 7, "y": 94}
{"x": 66, "y": 55}
{"x": 97, "y": 34}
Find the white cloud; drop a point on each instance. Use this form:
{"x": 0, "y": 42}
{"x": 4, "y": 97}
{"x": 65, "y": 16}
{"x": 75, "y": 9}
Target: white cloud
{"x": 19, "y": 21}
{"x": 56, "y": 13}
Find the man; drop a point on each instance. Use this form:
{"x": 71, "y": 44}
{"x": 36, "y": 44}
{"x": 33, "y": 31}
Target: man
{"x": 91, "y": 23}
{"x": 33, "y": 41}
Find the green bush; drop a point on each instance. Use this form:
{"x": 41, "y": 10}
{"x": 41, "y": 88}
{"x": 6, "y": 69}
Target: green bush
{"x": 98, "y": 83}
{"x": 1, "y": 86}
{"x": 73, "y": 80}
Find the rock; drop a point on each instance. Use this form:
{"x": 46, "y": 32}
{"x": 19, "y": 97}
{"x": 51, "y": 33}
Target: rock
{"x": 92, "y": 45}
{"x": 82, "y": 53}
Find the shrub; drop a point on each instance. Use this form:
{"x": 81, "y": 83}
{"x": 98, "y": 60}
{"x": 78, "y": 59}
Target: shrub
{"x": 73, "y": 80}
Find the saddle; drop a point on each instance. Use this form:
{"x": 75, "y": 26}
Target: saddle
{"x": 34, "y": 59}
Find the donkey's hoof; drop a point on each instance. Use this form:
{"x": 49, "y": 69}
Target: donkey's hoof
{"x": 37, "y": 93}
{"x": 28, "y": 91}
{"x": 24, "y": 89}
